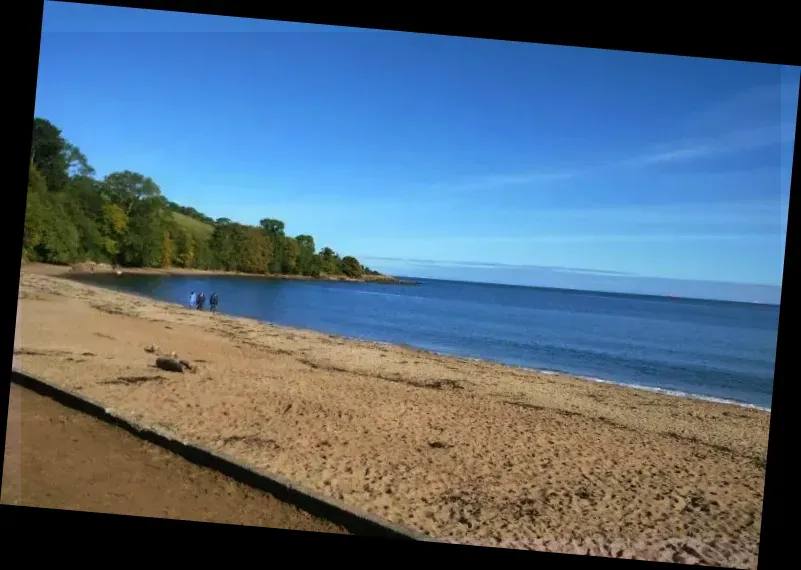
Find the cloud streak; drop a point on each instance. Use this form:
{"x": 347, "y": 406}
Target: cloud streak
{"x": 494, "y": 265}
{"x": 743, "y": 140}
{"x": 587, "y": 238}
{"x": 747, "y": 135}
{"x": 491, "y": 182}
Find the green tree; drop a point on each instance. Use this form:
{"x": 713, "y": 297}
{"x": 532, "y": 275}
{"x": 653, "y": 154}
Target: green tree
{"x": 113, "y": 228}
{"x": 49, "y": 153}
{"x": 272, "y": 228}
{"x": 257, "y": 252}
{"x": 290, "y": 256}
{"x": 72, "y": 216}
{"x": 127, "y": 188}
{"x": 221, "y": 246}
{"x": 184, "y": 248}
{"x": 167, "y": 249}
{"x": 307, "y": 260}
{"x": 351, "y": 267}
{"x": 306, "y": 242}
{"x": 329, "y": 261}
{"x": 35, "y": 213}
{"x": 78, "y": 165}
{"x": 143, "y": 242}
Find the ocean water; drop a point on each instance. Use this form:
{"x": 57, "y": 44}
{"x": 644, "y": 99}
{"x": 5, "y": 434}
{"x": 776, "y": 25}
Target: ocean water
{"x": 717, "y": 350}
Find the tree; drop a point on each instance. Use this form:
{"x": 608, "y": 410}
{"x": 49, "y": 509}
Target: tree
{"x": 221, "y": 245}
{"x": 126, "y": 188}
{"x": 35, "y": 212}
{"x": 91, "y": 240}
{"x": 184, "y": 248}
{"x": 306, "y": 242}
{"x": 272, "y": 228}
{"x": 49, "y": 153}
{"x": 257, "y": 252}
{"x": 351, "y": 267}
{"x": 307, "y": 260}
{"x": 167, "y": 250}
{"x": 290, "y": 255}
{"x": 72, "y": 216}
{"x": 143, "y": 242}
{"x": 113, "y": 226}
{"x": 77, "y": 165}
{"x": 329, "y": 261}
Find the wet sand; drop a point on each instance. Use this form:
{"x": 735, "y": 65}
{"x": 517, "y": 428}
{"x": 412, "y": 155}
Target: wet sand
{"x": 58, "y": 458}
{"x": 464, "y": 451}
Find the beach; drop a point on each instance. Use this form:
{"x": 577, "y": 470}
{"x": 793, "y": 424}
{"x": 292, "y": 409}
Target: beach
{"x": 69, "y": 460}
{"x": 462, "y": 450}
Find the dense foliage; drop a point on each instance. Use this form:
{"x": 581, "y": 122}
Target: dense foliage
{"x": 124, "y": 219}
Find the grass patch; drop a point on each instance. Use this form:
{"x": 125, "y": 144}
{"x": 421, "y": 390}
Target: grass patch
{"x": 199, "y": 230}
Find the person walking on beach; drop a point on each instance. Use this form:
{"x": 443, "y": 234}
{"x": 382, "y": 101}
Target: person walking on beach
{"x": 213, "y": 300}
{"x": 201, "y": 298}
{"x": 192, "y": 300}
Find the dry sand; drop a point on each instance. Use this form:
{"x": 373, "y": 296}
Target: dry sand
{"x": 464, "y": 451}
{"x": 69, "y": 460}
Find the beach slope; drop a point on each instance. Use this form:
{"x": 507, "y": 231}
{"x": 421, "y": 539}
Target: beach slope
{"x": 464, "y": 451}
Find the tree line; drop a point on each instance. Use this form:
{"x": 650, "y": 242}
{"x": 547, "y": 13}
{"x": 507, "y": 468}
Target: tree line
{"x": 124, "y": 219}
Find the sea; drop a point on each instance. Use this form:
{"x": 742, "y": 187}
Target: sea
{"x": 715, "y": 350}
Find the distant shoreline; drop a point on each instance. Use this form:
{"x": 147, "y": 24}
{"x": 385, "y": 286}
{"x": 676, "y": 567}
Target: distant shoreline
{"x": 82, "y": 269}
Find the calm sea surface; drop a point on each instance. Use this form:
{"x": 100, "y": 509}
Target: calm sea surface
{"x": 703, "y": 348}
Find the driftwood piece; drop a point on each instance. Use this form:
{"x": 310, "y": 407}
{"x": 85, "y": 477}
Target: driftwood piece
{"x": 169, "y": 364}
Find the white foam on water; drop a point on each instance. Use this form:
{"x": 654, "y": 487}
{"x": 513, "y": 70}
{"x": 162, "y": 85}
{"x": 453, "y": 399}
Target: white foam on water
{"x": 665, "y": 391}
{"x": 678, "y": 393}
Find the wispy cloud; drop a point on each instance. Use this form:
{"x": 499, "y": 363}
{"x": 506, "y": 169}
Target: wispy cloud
{"x": 496, "y": 181}
{"x": 751, "y": 119}
{"x": 493, "y": 265}
{"x": 748, "y": 121}
{"x": 742, "y": 140}
{"x": 693, "y": 149}
{"x": 752, "y": 107}
{"x": 587, "y": 238}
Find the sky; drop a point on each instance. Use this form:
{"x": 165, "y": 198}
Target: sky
{"x": 443, "y": 157}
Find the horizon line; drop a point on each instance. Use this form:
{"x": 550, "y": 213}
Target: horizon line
{"x": 601, "y": 292}
{"x": 596, "y": 272}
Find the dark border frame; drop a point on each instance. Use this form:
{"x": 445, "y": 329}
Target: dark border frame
{"x": 695, "y": 34}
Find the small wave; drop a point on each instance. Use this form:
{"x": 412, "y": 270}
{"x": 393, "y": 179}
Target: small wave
{"x": 678, "y": 393}
{"x": 383, "y": 294}
{"x": 665, "y": 391}
{"x": 379, "y": 293}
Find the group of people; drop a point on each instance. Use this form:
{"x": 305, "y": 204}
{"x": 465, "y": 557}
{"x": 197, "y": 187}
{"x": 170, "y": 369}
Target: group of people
{"x": 196, "y": 301}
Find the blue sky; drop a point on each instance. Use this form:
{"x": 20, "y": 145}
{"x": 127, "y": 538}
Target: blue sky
{"x": 443, "y": 157}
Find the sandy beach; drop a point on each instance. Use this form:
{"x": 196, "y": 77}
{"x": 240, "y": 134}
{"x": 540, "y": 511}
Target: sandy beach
{"x": 464, "y": 451}
{"x": 69, "y": 460}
